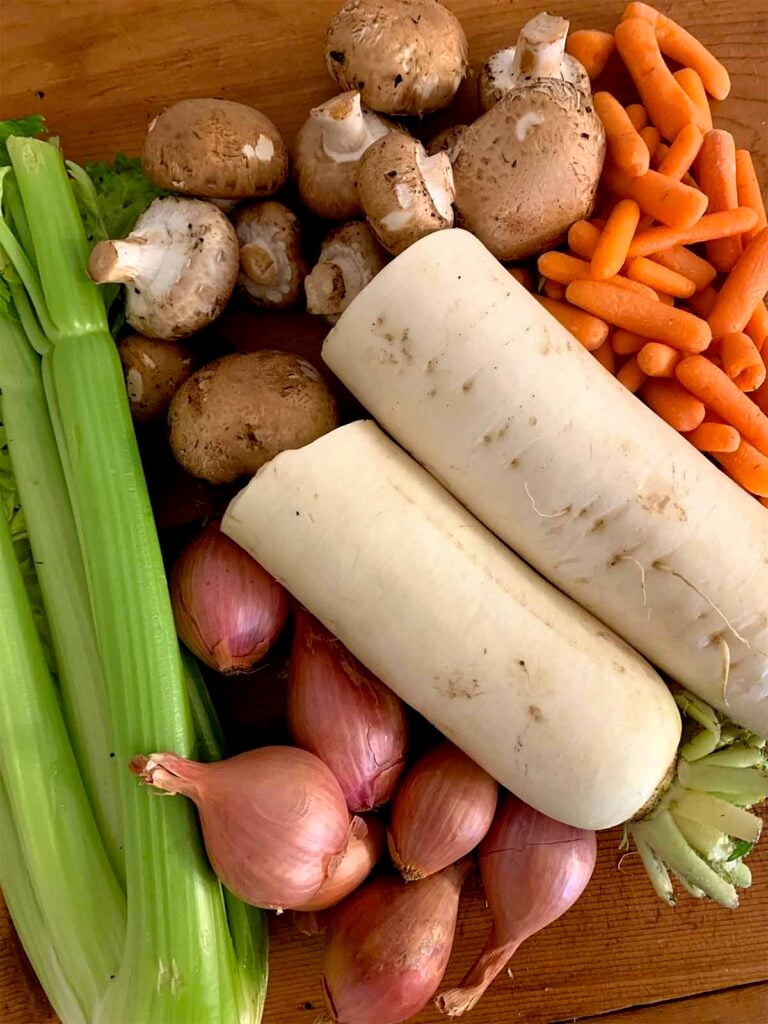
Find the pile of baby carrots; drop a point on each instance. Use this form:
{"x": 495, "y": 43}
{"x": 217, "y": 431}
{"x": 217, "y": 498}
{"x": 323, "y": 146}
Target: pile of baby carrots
{"x": 684, "y": 328}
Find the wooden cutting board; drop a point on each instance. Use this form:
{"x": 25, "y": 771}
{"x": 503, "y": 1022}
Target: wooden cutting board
{"x": 99, "y": 71}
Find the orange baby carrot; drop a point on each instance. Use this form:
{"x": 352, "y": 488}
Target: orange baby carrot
{"x": 562, "y": 268}
{"x": 627, "y": 343}
{"x": 711, "y": 225}
{"x": 652, "y": 138}
{"x": 591, "y": 49}
{"x": 691, "y": 84}
{"x": 661, "y": 279}
{"x": 625, "y": 146}
{"x": 748, "y": 191}
{"x": 743, "y": 289}
{"x": 523, "y": 276}
{"x": 666, "y": 200}
{"x": 663, "y": 297}
{"x": 582, "y": 238}
{"x": 742, "y": 361}
{"x": 586, "y": 329}
{"x": 658, "y": 360}
{"x": 635, "y": 287}
{"x": 669, "y": 106}
{"x": 554, "y": 290}
{"x": 717, "y": 178}
{"x": 673, "y": 403}
{"x": 687, "y": 263}
{"x": 703, "y": 302}
{"x": 679, "y": 158}
{"x": 684, "y": 48}
{"x": 714, "y": 437}
{"x": 716, "y": 390}
{"x": 658, "y": 156}
{"x": 635, "y": 313}
{"x": 638, "y": 115}
{"x": 630, "y": 375}
{"x": 757, "y": 326}
{"x": 613, "y": 244}
{"x": 748, "y": 467}
{"x": 605, "y": 356}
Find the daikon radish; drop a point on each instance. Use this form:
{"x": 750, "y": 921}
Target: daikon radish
{"x": 488, "y": 391}
{"x": 528, "y": 684}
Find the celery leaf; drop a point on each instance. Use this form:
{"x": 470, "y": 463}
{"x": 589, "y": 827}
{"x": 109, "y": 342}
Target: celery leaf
{"x": 27, "y": 126}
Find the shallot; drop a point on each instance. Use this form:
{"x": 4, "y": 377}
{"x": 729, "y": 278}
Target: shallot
{"x": 366, "y": 846}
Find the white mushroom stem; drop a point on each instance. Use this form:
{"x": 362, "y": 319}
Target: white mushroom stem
{"x": 125, "y": 260}
{"x": 259, "y": 264}
{"x": 326, "y": 287}
{"x": 346, "y": 131}
{"x": 437, "y": 174}
{"x": 540, "y": 47}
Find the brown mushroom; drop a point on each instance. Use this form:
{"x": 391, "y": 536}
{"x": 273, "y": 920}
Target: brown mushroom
{"x": 447, "y": 141}
{"x": 215, "y": 149}
{"x": 539, "y": 53}
{"x": 327, "y": 151}
{"x": 154, "y": 371}
{"x": 405, "y": 57}
{"x": 349, "y": 258}
{"x": 272, "y": 265}
{"x": 528, "y": 168}
{"x": 405, "y": 193}
{"x": 239, "y": 411}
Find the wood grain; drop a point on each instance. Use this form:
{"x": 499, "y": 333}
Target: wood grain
{"x": 99, "y": 72}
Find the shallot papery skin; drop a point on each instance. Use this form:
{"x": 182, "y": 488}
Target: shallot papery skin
{"x": 366, "y": 845}
{"x": 274, "y": 820}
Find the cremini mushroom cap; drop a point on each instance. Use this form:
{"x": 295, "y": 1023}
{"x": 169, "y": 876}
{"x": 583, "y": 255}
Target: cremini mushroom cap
{"x": 272, "y": 264}
{"x": 405, "y": 57}
{"x": 216, "y": 149}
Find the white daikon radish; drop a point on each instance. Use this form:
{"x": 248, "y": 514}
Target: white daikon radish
{"x": 531, "y": 686}
{"x": 472, "y": 376}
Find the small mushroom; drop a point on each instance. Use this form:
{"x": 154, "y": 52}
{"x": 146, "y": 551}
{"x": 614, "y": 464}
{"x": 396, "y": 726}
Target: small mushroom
{"x": 447, "y": 141}
{"x": 328, "y": 148}
{"x": 406, "y": 57}
{"x": 539, "y": 53}
{"x": 272, "y": 265}
{"x": 180, "y": 265}
{"x": 215, "y": 149}
{"x": 405, "y": 193}
{"x": 350, "y": 257}
{"x": 154, "y": 371}
{"x": 528, "y": 168}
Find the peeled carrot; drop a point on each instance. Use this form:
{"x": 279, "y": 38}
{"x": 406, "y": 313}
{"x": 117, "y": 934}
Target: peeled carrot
{"x": 625, "y": 146}
{"x": 630, "y": 375}
{"x": 748, "y": 467}
{"x": 679, "y": 158}
{"x": 714, "y": 437}
{"x": 605, "y": 356}
{"x": 554, "y": 290}
{"x": 691, "y": 84}
{"x": 591, "y": 49}
{"x": 703, "y": 302}
{"x": 669, "y": 106}
{"x": 681, "y": 46}
{"x": 582, "y": 238}
{"x": 748, "y": 191}
{"x": 661, "y": 279}
{"x": 742, "y": 361}
{"x": 711, "y": 225}
{"x": 627, "y": 343}
{"x": 612, "y": 246}
{"x": 658, "y": 360}
{"x": 717, "y": 178}
{"x": 658, "y": 156}
{"x": 743, "y": 289}
{"x": 523, "y": 276}
{"x": 590, "y": 331}
{"x": 667, "y": 300}
{"x": 562, "y": 268}
{"x": 757, "y": 326}
{"x": 666, "y": 200}
{"x": 687, "y": 263}
{"x": 638, "y": 115}
{"x": 760, "y": 397}
{"x": 716, "y": 390}
{"x": 652, "y": 138}
{"x": 635, "y": 287}
{"x": 635, "y": 313}
{"x": 672, "y": 403}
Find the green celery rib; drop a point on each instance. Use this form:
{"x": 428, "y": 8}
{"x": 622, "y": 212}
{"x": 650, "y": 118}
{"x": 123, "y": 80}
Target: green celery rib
{"x": 179, "y": 964}
{"x": 28, "y": 920}
{"x": 53, "y": 538}
{"x": 69, "y": 870}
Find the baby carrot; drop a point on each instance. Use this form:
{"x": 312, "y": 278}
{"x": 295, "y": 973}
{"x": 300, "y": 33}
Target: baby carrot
{"x": 635, "y": 313}
{"x": 687, "y": 263}
{"x": 523, "y": 276}
{"x": 625, "y": 146}
{"x": 711, "y": 225}
{"x": 673, "y": 403}
{"x": 760, "y": 397}
{"x": 679, "y": 158}
{"x": 748, "y": 467}
{"x": 743, "y": 289}
{"x": 717, "y": 178}
{"x": 716, "y": 390}
{"x": 691, "y": 84}
{"x": 684, "y": 48}
{"x": 605, "y": 356}
{"x": 657, "y": 359}
{"x": 613, "y": 244}
{"x": 669, "y": 106}
{"x": 714, "y": 437}
{"x": 586, "y": 329}
{"x": 661, "y": 279}
{"x": 591, "y": 49}
{"x": 627, "y": 343}
{"x": 626, "y": 285}
{"x": 666, "y": 200}
{"x": 554, "y": 290}
{"x": 703, "y": 302}
{"x": 582, "y": 238}
{"x": 742, "y": 361}
{"x": 630, "y": 375}
{"x": 658, "y": 156}
{"x": 748, "y": 191}
{"x": 638, "y": 115}
{"x": 757, "y": 326}
{"x": 652, "y": 138}
{"x": 662, "y": 296}
{"x": 562, "y": 268}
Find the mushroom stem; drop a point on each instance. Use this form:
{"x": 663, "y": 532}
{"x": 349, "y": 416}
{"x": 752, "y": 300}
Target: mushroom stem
{"x": 540, "y": 47}
{"x": 345, "y": 134}
{"x": 326, "y": 289}
{"x": 258, "y": 264}
{"x": 437, "y": 174}
{"x": 124, "y": 260}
